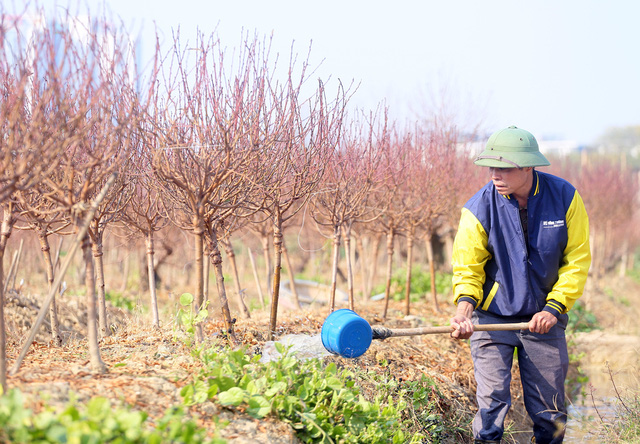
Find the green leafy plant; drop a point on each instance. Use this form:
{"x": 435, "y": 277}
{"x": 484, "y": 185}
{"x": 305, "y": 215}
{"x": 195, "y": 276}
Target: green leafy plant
{"x": 186, "y": 316}
{"x": 97, "y": 422}
{"x": 322, "y": 404}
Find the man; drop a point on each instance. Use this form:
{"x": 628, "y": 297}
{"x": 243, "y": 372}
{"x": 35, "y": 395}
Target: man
{"x": 521, "y": 254}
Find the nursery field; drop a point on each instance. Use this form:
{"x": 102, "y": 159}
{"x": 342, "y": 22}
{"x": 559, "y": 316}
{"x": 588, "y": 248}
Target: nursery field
{"x": 429, "y": 377}
{"x": 151, "y": 217}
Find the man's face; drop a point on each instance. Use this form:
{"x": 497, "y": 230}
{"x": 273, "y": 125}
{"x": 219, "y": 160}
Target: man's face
{"x": 511, "y": 180}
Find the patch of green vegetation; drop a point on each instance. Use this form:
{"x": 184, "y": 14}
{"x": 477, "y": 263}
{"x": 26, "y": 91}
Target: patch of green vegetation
{"x": 581, "y": 319}
{"x": 634, "y": 273}
{"x": 420, "y": 284}
{"x": 426, "y": 412}
{"x": 117, "y": 299}
{"x": 627, "y": 425}
{"x": 322, "y": 404}
{"x": 97, "y": 422}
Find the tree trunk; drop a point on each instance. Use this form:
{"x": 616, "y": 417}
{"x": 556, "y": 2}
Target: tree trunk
{"x": 292, "y": 278}
{"x": 347, "y": 253}
{"x": 5, "y": 233}
{"x": 334, "y": 268}
{"x": 92, "y": 323}
{"x": 387, "y": 291}
{"x": 205, "y": 275}
{"x": 198, "y": 301}
{"x": 216, "y": 261}
{"x": 407, "y": 295}
{"x": 228, "y": 248}
{"x": 56, "y": 339}
{"x": 267, "y": 257}
{"x": 277, "y": 256}
{"x": 125, "y": 273}
{"x": 624, "y": 258}
{"x": 374, "y": 260}
{"x": 98, "y": 254}
{"x": 432, "y": 270}
{"x": 3, "y": 338}
{"x": 363, "y": 269}
{"x": 149, "y": 241}
{"x": 448, "y": 249}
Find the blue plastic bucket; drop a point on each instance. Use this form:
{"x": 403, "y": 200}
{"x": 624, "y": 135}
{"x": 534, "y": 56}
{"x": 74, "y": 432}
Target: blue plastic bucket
{"x": 346, "y": 334}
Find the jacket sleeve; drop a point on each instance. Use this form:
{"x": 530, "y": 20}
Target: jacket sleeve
{"x": 573, "y": 271}
{"x": 470, "y": 255}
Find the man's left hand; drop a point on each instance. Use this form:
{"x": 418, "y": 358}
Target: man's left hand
{"x": 542, "y": 322}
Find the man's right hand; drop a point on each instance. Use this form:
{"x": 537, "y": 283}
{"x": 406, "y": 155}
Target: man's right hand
{"x": 461, "y": 322}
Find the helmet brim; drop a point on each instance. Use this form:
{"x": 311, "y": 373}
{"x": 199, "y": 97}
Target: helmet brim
{"x": 488, "y": 158}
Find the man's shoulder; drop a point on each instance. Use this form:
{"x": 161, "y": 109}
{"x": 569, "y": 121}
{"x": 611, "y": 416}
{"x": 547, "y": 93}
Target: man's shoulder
{"x": 556, "y": 183}
{"x": 553, "y": 179}
{"x": 481, "y": 196}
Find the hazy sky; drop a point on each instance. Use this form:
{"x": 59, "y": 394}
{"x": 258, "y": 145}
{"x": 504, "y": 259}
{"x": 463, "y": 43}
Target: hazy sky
{"x": 563, "y": 69}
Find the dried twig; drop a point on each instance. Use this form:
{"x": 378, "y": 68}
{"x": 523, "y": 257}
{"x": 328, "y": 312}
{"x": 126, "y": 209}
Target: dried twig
{"x": 615, "y": 388}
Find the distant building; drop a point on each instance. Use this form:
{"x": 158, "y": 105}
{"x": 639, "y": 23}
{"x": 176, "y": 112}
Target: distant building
{"x": 559, "y": 147}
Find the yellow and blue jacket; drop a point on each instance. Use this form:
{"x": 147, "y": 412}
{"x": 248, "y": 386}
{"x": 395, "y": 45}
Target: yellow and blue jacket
{"x": 499, "y": 271}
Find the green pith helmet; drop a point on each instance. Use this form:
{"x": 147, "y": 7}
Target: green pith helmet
{"x": 511, "y": 148}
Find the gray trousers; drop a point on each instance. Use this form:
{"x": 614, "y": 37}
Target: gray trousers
{"x": 543, "y": 361}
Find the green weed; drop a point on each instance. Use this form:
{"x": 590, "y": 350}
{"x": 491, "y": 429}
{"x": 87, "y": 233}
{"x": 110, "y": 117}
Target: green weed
{"x": 186, "y": 317}
{"x": 97, "y": 422}
{"x": 322, "y": 404}
{"x": 581, "y": 319}
{"x": 117, "y": 299}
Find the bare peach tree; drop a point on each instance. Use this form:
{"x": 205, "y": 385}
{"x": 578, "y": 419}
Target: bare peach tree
{"x": 342, "y": 200}
{"x": 38, "y": 81}
{"x": 207, "y": 137}
{"x": 43, "y": 218}
{"x": 98, "y": 86}
{"x": 300, "y": 138}
{"x": 227, "y": 226}
{"x": 392, "y": 203}
{"x": 146, "y": 215}
{"x": 260, "y": 225}
{"x": 109, "y": 211}
{"x": 607, "y": 216}
{"x": 426, "y": 194}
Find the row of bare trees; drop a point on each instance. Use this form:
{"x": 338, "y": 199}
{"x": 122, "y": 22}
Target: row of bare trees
{"x": 217, "y": 143}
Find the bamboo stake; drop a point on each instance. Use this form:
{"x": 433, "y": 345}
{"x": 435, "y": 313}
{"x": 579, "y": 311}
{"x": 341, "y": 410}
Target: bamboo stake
{"x": 15, "y": 270}
{"x": 10, "y": 273}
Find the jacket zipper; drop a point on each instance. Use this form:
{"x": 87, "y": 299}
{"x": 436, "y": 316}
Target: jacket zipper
{"x": 526, "y": 252}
